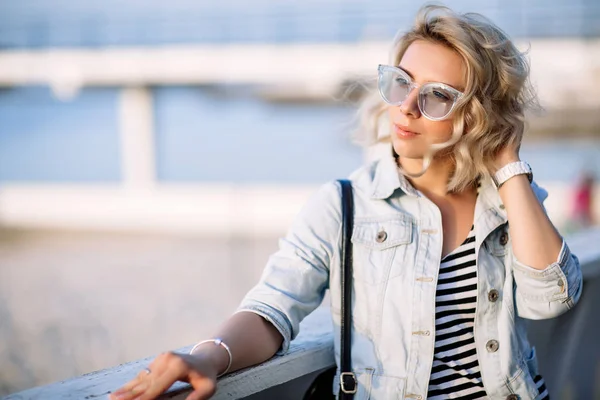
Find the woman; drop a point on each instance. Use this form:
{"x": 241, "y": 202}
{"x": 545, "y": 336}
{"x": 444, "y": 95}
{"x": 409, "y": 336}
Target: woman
{"x": 453, "y": 250}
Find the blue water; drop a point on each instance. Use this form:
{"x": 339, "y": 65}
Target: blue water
{"x": 203, "y": 136}
{"x": 46, "y": 140}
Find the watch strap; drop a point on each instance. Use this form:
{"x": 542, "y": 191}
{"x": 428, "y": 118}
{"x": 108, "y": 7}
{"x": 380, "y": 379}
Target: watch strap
{"x": 512, "y": 169}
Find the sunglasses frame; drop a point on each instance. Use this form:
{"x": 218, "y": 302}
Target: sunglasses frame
{"x": 381, "y": 69}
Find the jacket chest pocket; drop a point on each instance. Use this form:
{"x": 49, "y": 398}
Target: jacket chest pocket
{"x": 377, "y": 244}
{"x": 498, "y": 241}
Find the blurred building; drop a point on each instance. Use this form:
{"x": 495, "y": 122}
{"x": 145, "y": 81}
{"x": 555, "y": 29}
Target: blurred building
{"x": 153, "y": 115}
{"x": 94, "y": 24}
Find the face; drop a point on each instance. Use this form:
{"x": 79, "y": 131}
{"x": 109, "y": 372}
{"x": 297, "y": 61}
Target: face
{"x": 424, "y": 62}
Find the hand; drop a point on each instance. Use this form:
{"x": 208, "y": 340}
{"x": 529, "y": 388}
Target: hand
{"x": 165, "y": 370}
{"x": 506, "y": 156}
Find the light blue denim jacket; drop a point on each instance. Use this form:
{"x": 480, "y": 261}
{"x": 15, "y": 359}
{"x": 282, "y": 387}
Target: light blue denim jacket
{"x": 395, "y": 285}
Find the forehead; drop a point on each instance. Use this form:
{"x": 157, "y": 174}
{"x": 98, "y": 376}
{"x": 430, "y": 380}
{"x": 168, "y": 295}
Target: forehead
{"x": 433, "y": 62}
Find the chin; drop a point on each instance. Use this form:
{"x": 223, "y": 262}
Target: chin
{"x": 408, "y": 150}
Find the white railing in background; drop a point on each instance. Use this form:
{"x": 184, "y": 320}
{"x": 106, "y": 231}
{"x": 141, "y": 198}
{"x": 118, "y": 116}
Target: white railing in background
{"x": 202, "y": 208}
{"x": 567, "y": 348}
{"x": 311, "y": 70}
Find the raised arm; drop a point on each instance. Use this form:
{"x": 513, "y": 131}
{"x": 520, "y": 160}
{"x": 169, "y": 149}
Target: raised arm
{"x": 548, "y": 276}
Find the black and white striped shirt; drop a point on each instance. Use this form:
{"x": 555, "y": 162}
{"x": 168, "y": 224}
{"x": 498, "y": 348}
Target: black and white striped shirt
{"x": 455, "y": 372}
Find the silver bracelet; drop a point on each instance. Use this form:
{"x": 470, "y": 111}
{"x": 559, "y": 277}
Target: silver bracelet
{"x": 218, "y": 342}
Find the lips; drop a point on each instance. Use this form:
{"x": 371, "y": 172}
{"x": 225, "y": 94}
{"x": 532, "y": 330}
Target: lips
{"x": 403, "y": 131}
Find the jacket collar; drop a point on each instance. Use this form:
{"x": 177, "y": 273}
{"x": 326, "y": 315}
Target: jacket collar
{"x": 489, "y": 203}
{"x": 387, "y": 179}
{"x": 489, "y": 210}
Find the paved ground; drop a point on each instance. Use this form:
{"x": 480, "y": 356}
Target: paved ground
{"x": 72, "y": 302}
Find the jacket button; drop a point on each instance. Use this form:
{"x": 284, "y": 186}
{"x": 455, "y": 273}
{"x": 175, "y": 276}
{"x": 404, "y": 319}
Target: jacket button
{"x": 381, "y": 237}
{"x": 493, "y": 295}
{"x": 504, "y": 239}
{"x": 492, "y": 346}
{"x": 512, "y": 397}
{"x": 561, "y": 283}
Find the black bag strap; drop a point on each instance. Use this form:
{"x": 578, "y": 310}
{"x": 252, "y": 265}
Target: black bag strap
{"x": 348, "y": 382}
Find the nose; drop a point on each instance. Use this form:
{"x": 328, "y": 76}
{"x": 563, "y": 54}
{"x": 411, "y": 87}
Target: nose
{"x": 410, "y": 105}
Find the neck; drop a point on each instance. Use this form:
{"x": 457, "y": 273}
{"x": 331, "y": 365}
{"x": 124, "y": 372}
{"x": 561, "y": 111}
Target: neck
{"x": 434, "y": 182}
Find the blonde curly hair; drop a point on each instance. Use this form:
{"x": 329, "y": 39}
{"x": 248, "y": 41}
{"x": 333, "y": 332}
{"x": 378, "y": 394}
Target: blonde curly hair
{"x": 496, "y": 96}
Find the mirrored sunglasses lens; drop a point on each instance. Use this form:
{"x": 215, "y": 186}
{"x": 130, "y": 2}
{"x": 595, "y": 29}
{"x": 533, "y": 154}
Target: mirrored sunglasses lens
{"x": 436, "y": 102}
{"x": 394, "y": 86}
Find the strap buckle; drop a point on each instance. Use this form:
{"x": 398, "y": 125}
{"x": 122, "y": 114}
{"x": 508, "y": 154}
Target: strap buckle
{"x": 348, "y": 386}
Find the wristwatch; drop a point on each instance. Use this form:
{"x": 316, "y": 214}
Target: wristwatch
{"x": 510, "y": 170}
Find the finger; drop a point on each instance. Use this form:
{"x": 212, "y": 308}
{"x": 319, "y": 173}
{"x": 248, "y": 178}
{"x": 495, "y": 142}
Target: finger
{"x": 133, "y": 388}
{"x": 131, "y": 392}
{"x": 160, "y": 383}
{"x": 158, "y": 365}
{"x": 141, "y": 376}
{"x": 124, "y": 393}
{"x": 204, "y": 387}
{"x": 202, "y": 391}
{"x": 128, "y": 386}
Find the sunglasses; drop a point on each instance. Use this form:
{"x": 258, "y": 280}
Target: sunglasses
{"x": 436, "y": 100}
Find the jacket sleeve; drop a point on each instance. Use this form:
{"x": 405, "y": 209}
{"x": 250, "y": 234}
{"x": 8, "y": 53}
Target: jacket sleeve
{"x": 296, "y": 277}
{"x": 547, "y": 293}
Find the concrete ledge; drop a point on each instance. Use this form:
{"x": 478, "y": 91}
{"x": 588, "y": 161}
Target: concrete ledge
{"x": 310, "y": 352}
{"x": 324, "y": 67}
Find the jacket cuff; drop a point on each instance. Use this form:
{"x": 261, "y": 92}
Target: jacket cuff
{"x": 559, "y": 281}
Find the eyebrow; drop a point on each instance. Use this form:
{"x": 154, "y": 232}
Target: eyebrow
{"x": 459, "y": 88}
{"x": 405, "y": 70}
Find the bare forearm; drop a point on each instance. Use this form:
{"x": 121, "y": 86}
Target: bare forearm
{"x": 251, "y": 339}
{"x": 535, "y": 241}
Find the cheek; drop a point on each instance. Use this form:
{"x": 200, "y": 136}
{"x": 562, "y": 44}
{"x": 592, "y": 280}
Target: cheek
{"x": 394, "y": 113}
{"x": 438, "y": 131}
